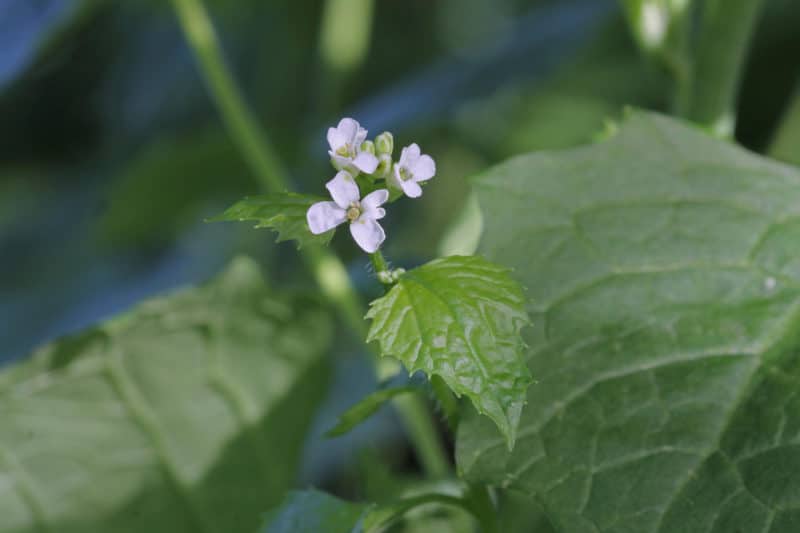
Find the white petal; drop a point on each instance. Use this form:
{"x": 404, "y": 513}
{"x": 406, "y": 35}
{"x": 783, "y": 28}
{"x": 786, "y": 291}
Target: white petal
{"x": 323, "y": 216}
{"x": 403, "y": 157}
{"x": 360, "y": 137}
{"x": 424, "y": 168}
{"x": 336, "y": 139}
{"x": 366, "y": 162}
{"x": 372, "y": 202}
{"x": 339, "y": 162}
{"x": 375, "y": 198}
{"x": 375, "y": 213}
{"x": 343, "y": 189}
{"x": 411, "y": 189}
{"x": 348, "y": 128}
{"x": 368, "y": 234}
{"x": 409, "y": 155}
{"x": 394, "y": 179}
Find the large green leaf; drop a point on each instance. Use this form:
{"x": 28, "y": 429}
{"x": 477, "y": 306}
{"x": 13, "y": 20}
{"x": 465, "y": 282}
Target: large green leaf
{"x": 172, "y": 179}
{"x": 186, "y": 414}
{"x": 663, "y": 269}
{"x": 460, "y": 318}
{"x": 285, "y": 213}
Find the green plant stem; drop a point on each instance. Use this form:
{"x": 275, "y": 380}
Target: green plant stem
{"x": 383, "y": 517}
{"x": 447, "y": 401}
{"x": 379, "y": 262}
{"x": 327, "y": 269}
{"x": 422, "y": 430}
{"x": 786, "y": 142}
{"x": 480, "y": 503}
{"x": 708, "y": 95}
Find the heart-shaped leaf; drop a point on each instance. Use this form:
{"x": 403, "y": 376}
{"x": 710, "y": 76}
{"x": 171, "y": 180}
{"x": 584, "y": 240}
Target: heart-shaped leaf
{"x": 663, "y": 269}
{"x": 460, "y": 318}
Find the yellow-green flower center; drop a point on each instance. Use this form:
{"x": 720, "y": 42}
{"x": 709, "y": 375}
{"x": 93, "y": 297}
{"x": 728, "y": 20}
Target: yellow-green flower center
{"x": 353, "y": 212}
{"x": 344, "y": 150}
{"x": 405, "y": 174}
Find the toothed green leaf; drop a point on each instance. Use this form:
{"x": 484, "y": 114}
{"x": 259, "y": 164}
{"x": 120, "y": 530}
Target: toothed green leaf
{"x": 284, "y": 213}
{"x": 460, "y": 318}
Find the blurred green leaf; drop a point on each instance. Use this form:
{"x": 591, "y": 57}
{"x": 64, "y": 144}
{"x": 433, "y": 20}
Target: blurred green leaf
{"x": 517, "y": 513}
{"x": 285, "y": 213}
{"x": 313, "y": 511}
{"x": 460, "y": 318}
{"x": 664, "y": 283}
{"x": 29, "y": 27}
{"x": 168, "y": 418}
{"x": 173, "y": 181}
{"x": 366, "y": 408}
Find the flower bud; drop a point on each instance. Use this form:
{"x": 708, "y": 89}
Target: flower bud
{"x": 384, "y": 143}
{"x": 396, "y": 273}
{"x": 384, "y": 166}
{"x": 368, "y": 146}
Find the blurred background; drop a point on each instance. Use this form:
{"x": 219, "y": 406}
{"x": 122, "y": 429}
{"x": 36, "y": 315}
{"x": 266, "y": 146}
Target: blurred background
{"x": 112, "y": 153}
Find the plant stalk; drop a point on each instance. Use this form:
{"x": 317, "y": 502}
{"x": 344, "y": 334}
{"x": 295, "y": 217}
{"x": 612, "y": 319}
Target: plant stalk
{"x": 708, "y": 95}
{"x": 328, "y": 271}
{"x": 379, "y": 262}
{"x": 480, "y": 503}
{"x": 786, "y": 141}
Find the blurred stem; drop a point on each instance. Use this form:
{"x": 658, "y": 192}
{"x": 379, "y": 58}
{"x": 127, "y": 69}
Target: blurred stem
{"x": 380, "y": 518}
{"x": 345, "y": 33}
{"x": 480, "y": 502}
{"x": 786, "y": 143}
{"x": 239, "y": 121}
{"x": 708, "y": 95}
{"x": 327, "y": 269}
{"x": 422, "y": 430}
{"x": 447, "y": 402}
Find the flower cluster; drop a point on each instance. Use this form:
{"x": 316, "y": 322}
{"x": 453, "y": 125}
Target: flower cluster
{"x": 358, "y": 159}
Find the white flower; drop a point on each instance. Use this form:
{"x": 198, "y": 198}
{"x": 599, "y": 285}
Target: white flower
{"x": 412, "y": 168}
{"x": 345, "y": 141}
{"x": 348, "y": 205}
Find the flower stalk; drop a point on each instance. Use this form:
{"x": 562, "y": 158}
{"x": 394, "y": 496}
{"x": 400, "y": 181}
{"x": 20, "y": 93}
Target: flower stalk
{"x": 379, "y": 264}
{"x": 327, "y": 269}
{"x": 709, "y": 93}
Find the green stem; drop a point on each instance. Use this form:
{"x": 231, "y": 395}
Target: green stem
{"x": 786, "y": 142}
{"x": 384, "y": 516}
{"x": 709, "y": 94}
{"x": 421, "y": 428}
{"x": 239, "y": 121}
{"x": 379, "y": 262}
{"x": 447, "y": 401}
{"x": 326, "y": 268}
{"x": 480, "y": 502}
